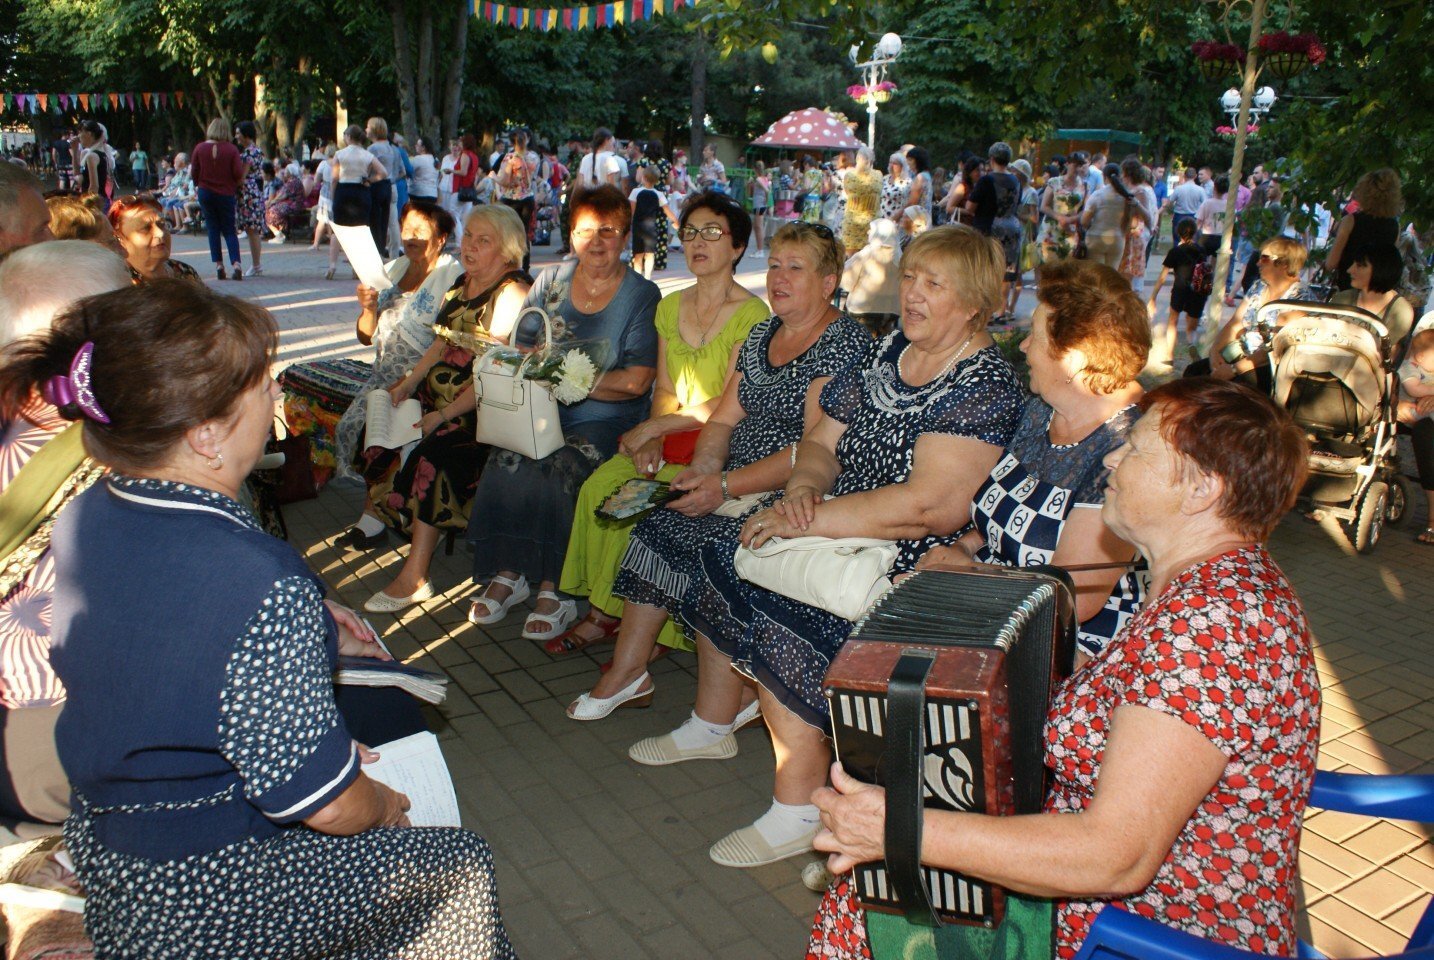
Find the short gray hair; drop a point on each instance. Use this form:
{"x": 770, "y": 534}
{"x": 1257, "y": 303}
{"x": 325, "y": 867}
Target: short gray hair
{"x": 512, "y": 233}
{"x": 14, "y": 179}
{"x": 38, "y": 282}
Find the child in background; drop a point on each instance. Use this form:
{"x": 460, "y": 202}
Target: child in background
{"x": 1416, "y": 373}
{"x": 647, "y": 203}
{"x": 1183, "y": 258}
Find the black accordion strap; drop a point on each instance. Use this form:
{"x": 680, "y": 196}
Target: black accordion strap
{"x": 905, "y": 745}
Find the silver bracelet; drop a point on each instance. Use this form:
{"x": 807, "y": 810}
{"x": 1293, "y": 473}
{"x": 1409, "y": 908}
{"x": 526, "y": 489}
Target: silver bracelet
{"x": 726, "y": 494}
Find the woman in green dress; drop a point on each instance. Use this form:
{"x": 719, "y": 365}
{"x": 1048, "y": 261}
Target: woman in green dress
{"x": 699, "y": 331}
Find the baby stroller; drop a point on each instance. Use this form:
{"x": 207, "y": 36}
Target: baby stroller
{"x": 1333, "y": 371}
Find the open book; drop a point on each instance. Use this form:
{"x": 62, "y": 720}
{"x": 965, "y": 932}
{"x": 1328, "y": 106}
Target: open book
{"x": 414, "y": 766}
{"x": 388, "y": 426}
{"x": 370, "y": 672}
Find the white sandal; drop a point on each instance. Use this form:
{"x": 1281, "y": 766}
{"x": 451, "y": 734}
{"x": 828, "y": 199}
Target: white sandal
{"x": 554, "y": 624}
{"x": 486, "y": 610}
{"x": 588, "y": 707}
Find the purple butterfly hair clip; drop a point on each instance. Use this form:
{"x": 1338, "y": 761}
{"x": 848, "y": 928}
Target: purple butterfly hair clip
{"x": 77, "y": 388}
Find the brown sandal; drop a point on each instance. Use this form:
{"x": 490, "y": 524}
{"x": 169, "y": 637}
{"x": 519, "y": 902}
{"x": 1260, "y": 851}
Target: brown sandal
{"x": 1426, "y": 538}
{"x": 572, "y": 642}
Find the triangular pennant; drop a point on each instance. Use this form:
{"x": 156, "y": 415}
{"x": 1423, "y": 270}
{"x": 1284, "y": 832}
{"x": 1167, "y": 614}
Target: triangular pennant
{"x": 44, "y": 99}
{"x": 146, "y": 99}
{"x": 179, "y": 97}
{"x": 114, "y": 101}
{"x": 129, "y": 99}
{"x": 64, "y": 99}
{"x": 163, "y": 101}
{"x": 84, "y": 100}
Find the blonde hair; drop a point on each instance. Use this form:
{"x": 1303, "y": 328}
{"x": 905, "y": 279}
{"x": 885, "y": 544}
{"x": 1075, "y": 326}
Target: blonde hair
{"x": 1378, "y": 193}
{"x": 73, "y": 219}
{"x": 1292, "y": 254}
{"x": 972, "y": 261}
{"x": 377, "y": 128}
{"x": 824, "y": 250}
{"x": 512, "y": 233}
{"x": 219, "y": 129}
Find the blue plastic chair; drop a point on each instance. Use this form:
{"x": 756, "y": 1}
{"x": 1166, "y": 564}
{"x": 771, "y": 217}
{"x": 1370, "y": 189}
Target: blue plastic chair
{"x": 1121, "y": 935}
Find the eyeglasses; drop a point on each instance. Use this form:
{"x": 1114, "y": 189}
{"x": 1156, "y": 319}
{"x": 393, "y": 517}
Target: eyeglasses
{"x": 606, "y": 232}
{"x": 709, "y": 232}
{"x": 820, "y": 229}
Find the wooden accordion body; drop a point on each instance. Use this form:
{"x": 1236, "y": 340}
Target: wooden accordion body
{"x": 980, "y": 655}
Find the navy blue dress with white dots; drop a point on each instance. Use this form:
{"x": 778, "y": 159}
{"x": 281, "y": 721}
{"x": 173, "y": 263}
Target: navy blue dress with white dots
{"x": 786, "y": 645}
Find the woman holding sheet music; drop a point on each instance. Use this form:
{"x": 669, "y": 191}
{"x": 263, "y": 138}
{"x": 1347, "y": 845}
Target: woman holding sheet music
{"x": 432, "y": 488}
{"x": 219, "y": 798}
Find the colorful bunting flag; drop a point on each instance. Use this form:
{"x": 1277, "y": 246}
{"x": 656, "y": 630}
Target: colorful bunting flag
{"x": 576, "y": 18}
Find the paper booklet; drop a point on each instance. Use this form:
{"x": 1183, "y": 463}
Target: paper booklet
{"x": 363, "y": 255}
{"x": 414, "y": 766}
{"x": 369, "y": 672}
{"x": 388, "y": 426}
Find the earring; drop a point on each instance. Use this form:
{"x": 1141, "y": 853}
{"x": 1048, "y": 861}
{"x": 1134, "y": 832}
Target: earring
{"x": 216, "y": 461}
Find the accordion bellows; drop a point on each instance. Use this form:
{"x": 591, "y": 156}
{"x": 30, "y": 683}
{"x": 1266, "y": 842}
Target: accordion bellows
{"x": 993, "y": 646}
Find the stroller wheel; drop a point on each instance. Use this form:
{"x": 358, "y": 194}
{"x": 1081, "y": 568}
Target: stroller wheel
{"x": 1401, "y": 495}
{"x": 1369, "y": 522}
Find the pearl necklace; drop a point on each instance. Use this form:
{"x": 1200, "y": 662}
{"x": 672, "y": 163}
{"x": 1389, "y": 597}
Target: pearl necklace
{"x": 950, "y": 364}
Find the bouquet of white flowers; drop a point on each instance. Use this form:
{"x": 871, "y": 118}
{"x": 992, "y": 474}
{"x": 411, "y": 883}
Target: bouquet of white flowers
{"x": 569, "y": 369}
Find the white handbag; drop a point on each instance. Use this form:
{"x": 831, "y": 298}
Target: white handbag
{"x": 843, "y": 576}
{"x": 515, "y": 413}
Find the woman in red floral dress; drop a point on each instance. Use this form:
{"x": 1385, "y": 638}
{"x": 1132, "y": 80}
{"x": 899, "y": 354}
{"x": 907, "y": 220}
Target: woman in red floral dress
{"x": 1185, "y": 752}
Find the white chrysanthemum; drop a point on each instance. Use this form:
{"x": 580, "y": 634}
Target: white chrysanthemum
{"x": 576, "y": 377}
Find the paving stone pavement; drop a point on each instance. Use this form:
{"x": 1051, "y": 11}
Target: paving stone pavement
{"x": 599, "y": 857}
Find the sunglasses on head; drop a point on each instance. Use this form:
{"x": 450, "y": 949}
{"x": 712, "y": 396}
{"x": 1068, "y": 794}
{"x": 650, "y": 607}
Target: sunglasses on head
{"x": 820, "y": 229}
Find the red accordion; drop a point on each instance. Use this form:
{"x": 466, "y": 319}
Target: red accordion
{"x": 940, "y": 696}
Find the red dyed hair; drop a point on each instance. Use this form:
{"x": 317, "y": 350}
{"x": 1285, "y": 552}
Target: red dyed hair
{"x": 1093, "y": 310}
{"x": 124, "y": 206}
{"x": 1243, "y": 438}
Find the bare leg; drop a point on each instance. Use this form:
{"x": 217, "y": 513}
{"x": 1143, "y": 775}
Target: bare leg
{"x": 803, "y": 753}
{"x": 256, "y": 238}
{"x": 495, "y": 590}
{"x": 721, "y": 691}
{"x": 635, "y": 642}
{"x": 415, "y": 569}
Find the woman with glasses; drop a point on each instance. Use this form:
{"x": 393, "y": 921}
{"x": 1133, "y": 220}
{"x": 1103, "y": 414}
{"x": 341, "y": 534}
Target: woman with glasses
{"x": 745, "y": 449}
{"x": 143, "y": 236}
{"x": 1280, "y": 263}
{"x": 699, "y": 331}
{"x": 522, "y": 514}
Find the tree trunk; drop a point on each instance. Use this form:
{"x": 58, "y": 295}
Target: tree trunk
{"x": 403, "y": 63}
{"x": 424, "y": 75}
{"x": 698, "y": 127}
{"x": 264, "y": 117}
{"x": 1215, "y": 306}
{"x": 453, "y": 85}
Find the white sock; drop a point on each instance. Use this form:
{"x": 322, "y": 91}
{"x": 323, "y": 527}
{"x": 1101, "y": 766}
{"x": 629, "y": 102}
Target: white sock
{"x": 697, "y": 733}
{"x": 784, "y": 822}
{"x": 368, "y": 524}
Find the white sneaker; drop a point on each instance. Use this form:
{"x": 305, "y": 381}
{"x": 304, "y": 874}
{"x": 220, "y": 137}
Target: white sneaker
{"x": 254, "y": 272}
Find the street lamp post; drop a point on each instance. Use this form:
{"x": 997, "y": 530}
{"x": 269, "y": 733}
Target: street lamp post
{"x": 873, "y": 72}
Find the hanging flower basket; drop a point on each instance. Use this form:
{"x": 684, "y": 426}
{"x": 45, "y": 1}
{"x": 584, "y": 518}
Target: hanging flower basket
{"x": 1227, "y": 133}
{"x": 880, "y": 93}
{"x": 1288, "y": 55}
{"x": 1217, "y": 60}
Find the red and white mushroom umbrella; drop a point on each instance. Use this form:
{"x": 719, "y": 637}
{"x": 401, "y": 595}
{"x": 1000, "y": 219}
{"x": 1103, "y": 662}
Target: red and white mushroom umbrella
{"x": 811, "y": 128}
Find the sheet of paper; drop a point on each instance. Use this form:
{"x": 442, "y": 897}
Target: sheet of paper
{"x": 358, "y": 246}
{"x": 414, "y": 766}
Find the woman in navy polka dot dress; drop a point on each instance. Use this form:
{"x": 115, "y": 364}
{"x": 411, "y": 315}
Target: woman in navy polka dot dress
{"x": 905, "y": 440}
{"x": 220, "y": 808}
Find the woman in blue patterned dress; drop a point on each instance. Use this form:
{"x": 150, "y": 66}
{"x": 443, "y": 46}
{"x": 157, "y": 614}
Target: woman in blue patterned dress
{"x": 1041, "y": 504}
{"x": 744, "y": 450}
{"x": 220, "y": 803}
{"x": 905, "y": 440}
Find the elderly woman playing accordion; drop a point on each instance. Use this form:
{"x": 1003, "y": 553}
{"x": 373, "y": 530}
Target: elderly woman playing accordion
{"x": 1182, "y": 756}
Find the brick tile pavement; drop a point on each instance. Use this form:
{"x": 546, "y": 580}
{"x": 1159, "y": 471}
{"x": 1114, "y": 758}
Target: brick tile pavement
{"x": 599, "y": 857}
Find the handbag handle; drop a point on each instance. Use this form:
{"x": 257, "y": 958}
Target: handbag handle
{"x": 903, "y": 760}
{"x": 806, "y": 544}
{"x": 547, "y": 334}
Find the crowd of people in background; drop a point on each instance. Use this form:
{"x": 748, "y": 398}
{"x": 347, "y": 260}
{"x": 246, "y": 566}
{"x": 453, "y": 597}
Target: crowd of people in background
{"x": 867, "y": 396}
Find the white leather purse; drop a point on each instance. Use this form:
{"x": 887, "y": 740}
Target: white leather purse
{"x": 515, "y": 413}
{"x": 843, "y": 576}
